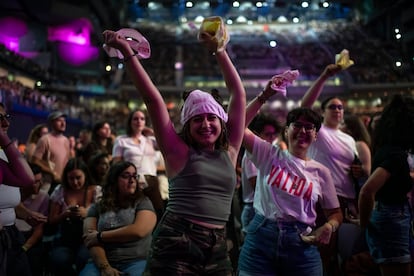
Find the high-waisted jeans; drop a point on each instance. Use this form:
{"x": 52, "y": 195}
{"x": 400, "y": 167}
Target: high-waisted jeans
{"x": 276, "y": 248}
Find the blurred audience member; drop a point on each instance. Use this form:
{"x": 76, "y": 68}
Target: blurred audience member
{"x": 34, "y": 200}
{"x": 101, "y": 141}
{"x": 139, "y": 149}
{"x": 52, "y": 151}
{"x": 14, "y": 173}
{"x": 34, "y": 136}
{"x": 68, "y": 207}
{"x": 385, "y": 213}
{"x": 98, "y": 166}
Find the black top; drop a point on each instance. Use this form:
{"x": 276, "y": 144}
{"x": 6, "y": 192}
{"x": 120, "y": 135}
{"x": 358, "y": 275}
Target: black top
{"x": 394, "y": 160}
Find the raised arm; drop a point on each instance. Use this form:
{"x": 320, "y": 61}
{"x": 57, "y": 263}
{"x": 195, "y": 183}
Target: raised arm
{"x": 237, "y": 102}
{"x": 313, "y": 93}
{"x": 169, "y": 142}
{"x": 254, "y": 105}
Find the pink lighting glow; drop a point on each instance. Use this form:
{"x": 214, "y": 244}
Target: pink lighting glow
{"x": 77, "y": 32}
{"x": 11, "y": 29}
{"x": 77, "y": 55}
{"x": 73, "y": 42}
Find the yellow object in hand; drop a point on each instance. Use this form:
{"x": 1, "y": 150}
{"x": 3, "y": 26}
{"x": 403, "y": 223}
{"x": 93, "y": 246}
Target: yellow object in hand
{"x": 342, "y": 59}
{"x": 213, "y": 29}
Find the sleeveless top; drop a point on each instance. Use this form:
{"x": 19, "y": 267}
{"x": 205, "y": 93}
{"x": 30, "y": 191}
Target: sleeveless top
{"x": 204, "y": 189}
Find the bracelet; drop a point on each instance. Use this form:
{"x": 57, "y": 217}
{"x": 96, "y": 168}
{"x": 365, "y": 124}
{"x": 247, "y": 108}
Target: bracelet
{"x": 25, "y": 248}
{"x": 129, "y": 57}
{"x": 7, "y": 145}
{"x": 103, "y": 266}
{"x": 262, "y": 98}
{"x": 99, "y": 237}
{"x": 332, "y": 225}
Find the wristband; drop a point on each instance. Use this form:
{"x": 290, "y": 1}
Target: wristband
{"x": 103, "y": 266}
{"x": 129, "y": 57}
{"x": 262, "y": 98}
{"x": 99, "y": 237}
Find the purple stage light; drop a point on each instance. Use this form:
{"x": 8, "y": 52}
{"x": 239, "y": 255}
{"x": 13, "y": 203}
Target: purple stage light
{"x": 77, "y": 55}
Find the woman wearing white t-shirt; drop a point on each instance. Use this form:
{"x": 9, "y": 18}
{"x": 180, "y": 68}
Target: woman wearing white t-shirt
{"x": 281, "y": 239}
{"x": 336, "y": 150}
{"x": 139, "y": 149}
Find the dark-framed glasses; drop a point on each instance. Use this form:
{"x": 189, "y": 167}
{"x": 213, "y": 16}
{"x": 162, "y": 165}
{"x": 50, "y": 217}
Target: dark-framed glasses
{"x": 5, "y": 116}
{"x": 129, "y": 176}
{"x": 336, "y": 106}
{"x": 298, "y": 126}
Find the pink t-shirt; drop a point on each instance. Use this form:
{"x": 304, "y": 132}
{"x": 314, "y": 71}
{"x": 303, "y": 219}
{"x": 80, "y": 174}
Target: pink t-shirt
{"x": 54, "y": 149}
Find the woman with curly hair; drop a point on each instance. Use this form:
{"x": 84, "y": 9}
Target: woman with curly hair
{"x": 117, "y": 230}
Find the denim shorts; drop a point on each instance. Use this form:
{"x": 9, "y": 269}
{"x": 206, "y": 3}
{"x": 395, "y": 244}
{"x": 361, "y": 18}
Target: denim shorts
{"x": 388, "y": 233}
{"x": 276, "y": 248}
{"x": 180, "y": 247}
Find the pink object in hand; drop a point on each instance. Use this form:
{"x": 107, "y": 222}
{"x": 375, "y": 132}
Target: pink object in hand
{"x": 137, "y": 42}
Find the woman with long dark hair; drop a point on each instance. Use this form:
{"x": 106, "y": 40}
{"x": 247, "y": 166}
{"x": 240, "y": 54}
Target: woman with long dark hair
{"x": 117, "y": 229}
{"x": 385, "y": 214}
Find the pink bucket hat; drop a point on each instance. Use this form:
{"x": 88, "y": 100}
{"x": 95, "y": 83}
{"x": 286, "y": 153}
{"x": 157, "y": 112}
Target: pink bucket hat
{"x": 199, "y": 102}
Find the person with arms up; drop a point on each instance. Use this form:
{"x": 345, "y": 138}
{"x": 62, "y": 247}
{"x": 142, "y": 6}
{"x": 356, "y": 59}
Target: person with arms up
{"x": 385, "y": 213}
{"x": 117, "y": 229}
{"x": 200, "y": 164}
{"x": 281, "y": 238}
{"x": 336, "y": 150}
{"x": 14, "y": 173}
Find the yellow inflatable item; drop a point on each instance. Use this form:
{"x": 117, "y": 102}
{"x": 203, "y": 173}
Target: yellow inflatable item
{"x": 213, "y": 29}
{"x": 342, "y": 59}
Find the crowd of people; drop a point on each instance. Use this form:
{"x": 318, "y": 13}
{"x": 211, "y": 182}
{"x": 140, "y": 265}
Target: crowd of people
{"x": 95, "y": 205}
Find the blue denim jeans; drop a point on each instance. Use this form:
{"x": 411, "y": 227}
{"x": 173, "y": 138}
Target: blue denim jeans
{"x": 388, "y": 233}
{"x": 135, "y": 268}
{"x": 180, "y": 247}
{"x": 68, "y": 261}
{"x": 246, "y": 215}
{"x": 275, "y": 248}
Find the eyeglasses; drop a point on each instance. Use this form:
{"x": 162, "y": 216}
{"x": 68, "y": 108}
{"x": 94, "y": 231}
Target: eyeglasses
{"x": 335, "y": 106}
{"x": 299, "y": 126}
{"x": 129, "y": 176}
{"x": 4, "y": 117}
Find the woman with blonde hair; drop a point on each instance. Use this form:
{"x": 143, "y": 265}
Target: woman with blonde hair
{"x": 34, "y": 136}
